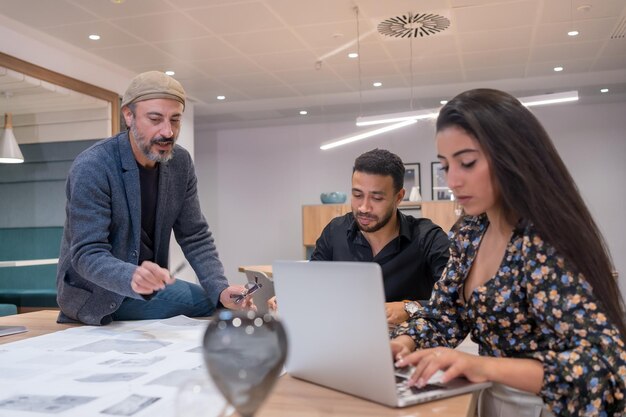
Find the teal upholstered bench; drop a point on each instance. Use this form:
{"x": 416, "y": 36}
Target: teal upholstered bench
{"x": 7, "y": 309}
{"x": 29, "y": 299}
{"x": 29, "y": 287}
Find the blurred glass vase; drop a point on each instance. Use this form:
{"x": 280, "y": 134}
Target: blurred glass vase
{"x": 244, "y": 354}
{"x": 334, "y": 197}
{"x": 415, "y": 195}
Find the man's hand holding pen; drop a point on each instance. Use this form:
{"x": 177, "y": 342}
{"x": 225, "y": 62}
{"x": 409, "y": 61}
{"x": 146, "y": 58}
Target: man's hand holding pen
{"x": 149, "y": 278}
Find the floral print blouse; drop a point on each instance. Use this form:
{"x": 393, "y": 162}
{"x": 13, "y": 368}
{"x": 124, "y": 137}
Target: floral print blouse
{"x": 534, "y": 307}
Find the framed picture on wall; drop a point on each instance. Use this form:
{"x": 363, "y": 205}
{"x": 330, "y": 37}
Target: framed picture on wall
{"x": 412, "y": 178}
{"x": 439, "y": 187}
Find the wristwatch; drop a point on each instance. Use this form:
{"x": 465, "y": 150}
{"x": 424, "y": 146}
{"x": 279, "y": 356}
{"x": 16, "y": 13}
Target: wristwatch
{"x": 411, "y": 307}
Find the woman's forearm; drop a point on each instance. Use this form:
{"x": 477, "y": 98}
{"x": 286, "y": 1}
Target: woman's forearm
{"x": 522, "y": 374}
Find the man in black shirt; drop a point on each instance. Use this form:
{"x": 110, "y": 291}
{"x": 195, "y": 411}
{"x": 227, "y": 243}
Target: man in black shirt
{"x": 411, "y": 252}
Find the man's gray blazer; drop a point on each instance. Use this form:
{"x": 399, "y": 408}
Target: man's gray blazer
{"x": 101, "y": 239}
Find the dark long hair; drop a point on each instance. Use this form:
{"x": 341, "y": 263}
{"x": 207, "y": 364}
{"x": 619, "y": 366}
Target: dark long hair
{"x": 536, "y": 186}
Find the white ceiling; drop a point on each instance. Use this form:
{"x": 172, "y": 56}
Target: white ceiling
{"x": 262, "y": 54}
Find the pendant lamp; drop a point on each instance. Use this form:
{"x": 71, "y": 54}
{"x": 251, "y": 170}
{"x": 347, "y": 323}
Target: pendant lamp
{"x": 10, "y": 152}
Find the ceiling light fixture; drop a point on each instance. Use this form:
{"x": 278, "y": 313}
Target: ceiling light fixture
{"x": 221, "y": 97}
{"x": 353, "y": 55}
{"x": 10, "y": 152}
{"x": 406, "y": 118}
{"x": 604, "y": 90}
{"x": 94, "y": 37}
{"x": 369, "y": 133}
{"x": 397, "y": 117}
{"x": 552, "y": 98}
{"x": 304, "y": 112}
{"x": 377, "y": 84}
{"x": 558, "y": 69}
{"x": 170, "y": 72}
{"x": 530, "y": 101}
{"x": 572, "y": 33}
{"x": 364, "y": 135}
{"x": 414, "y": 23}
{"x": 410, "y": 26}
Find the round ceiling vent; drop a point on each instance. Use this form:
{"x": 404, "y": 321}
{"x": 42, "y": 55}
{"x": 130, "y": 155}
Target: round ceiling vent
{"x": 413, "y": 25}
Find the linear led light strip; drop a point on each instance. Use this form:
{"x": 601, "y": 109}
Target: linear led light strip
{"x": 433, "y": 113}
{"x": 410, "y": 117}
{"x": 359, "y": 136}
{"x": 397, "y": 117}
{"x": 554, "y": 98}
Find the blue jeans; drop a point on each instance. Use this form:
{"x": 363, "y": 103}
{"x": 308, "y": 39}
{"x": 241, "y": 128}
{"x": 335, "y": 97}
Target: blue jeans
{"x": 181, "y": 297}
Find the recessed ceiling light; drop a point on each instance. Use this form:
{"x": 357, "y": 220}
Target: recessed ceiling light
{"x": 572, "y": 33}
{"x": 377, "y": 84}
{"x": 443, "y": 101}
{"x": 304, "y": 112}
{"x": 94, "y": 37}
{"x": 558, "y": 69}
{"x": 604, "y": 90}
{"x": 353, "y": 55}
{"x": 221, "y": 97}
{"x": 170, "y": 72}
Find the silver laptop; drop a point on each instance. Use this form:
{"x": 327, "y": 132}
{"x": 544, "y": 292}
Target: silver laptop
{"x": 9, "y": 330}
{"x": 334, "y": 315}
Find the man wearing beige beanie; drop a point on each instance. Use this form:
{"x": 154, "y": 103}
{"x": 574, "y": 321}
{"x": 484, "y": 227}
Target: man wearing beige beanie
{"x": 125, "y": 195}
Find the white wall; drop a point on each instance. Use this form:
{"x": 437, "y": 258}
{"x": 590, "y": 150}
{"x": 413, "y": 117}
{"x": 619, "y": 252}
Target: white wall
{"x": 253, "y": 182}
{"x": 40, "y": 49}
{"x": 186, "y": 140}
{"x": 592, "y": 142}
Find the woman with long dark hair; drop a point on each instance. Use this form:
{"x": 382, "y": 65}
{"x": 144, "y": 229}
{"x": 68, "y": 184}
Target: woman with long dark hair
{"x": 529, "y": 275}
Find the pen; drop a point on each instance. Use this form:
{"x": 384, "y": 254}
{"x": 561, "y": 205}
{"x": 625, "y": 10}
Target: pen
{"x": 179, "y": 268}
{"x": 175, "y": 271}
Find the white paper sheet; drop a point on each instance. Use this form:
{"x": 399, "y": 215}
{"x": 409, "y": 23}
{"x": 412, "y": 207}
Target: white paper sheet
{"x": 138, "y": 368}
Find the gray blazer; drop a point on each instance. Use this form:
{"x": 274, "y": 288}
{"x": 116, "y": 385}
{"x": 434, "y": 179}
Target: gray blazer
{"x": 101, "y": 238}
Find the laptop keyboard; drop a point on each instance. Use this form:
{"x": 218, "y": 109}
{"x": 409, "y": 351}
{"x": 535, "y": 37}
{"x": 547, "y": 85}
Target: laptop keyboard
{"x": 405, "y": 390}
{"x": 402, "y": 374}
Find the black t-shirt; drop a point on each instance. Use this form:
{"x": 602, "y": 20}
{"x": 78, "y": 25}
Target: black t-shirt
{"x": 149, "y": 181}
{"x": 411, "y": 263}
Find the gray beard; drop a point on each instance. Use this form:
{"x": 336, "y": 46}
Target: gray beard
{"x": 144, "y": 147}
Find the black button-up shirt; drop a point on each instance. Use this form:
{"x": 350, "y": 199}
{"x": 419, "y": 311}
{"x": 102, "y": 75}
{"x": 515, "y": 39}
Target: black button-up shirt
{"x": 411, "y": 263}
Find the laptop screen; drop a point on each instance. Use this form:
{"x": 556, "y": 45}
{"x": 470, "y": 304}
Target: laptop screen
{"x": 334, "y": 315}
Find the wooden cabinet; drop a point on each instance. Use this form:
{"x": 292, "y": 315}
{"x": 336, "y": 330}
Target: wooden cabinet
{"x": 316, "y": 217}
{"x": 442, "y": 213}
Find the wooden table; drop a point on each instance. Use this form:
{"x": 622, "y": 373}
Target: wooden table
{"x": 266, "y": 269}
{"x": 38, "y": 323}
{"x": 291, "y": 397}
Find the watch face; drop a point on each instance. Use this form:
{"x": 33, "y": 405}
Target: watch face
{"x": 411, "y": 307}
